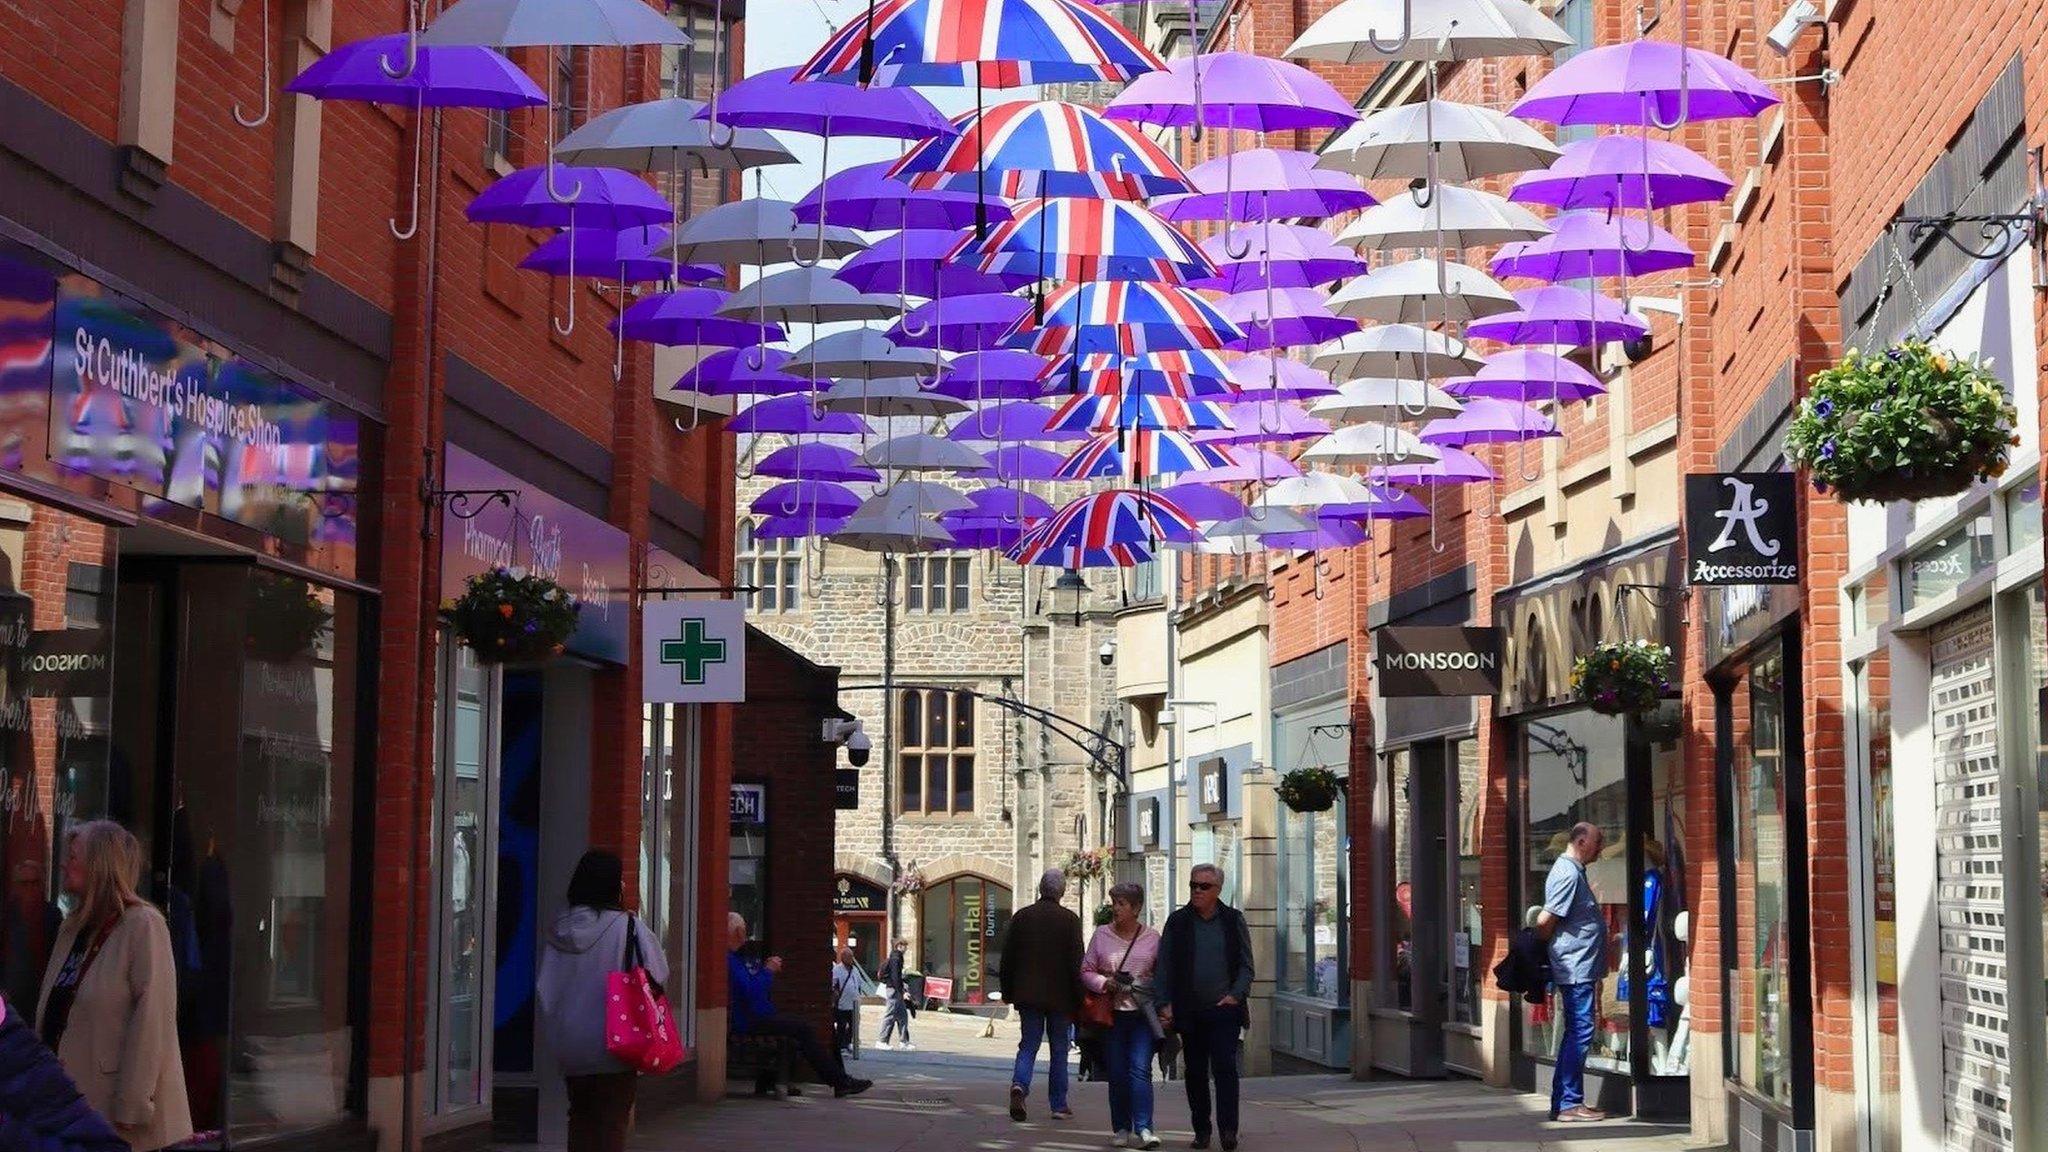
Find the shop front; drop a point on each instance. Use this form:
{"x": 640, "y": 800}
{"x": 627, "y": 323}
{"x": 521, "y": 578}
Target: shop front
{"x": 1569, "y": 764}
{"x": 860, "y": 920}
{"x": 963, "y": 919}
{"x": 1311, "y": 982}
{"x": 185, "y": 649}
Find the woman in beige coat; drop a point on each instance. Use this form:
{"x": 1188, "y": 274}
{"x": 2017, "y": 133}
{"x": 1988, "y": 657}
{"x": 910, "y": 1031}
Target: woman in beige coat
{"x": 110, "y": 997}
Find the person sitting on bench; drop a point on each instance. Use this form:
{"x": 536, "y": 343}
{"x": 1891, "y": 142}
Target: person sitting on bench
{"x": 753, "y": 1011}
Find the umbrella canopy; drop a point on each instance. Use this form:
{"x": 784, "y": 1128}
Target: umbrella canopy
{"x": 921, "y": 452}
{"x": 888, "y": 398}
{"x": 812, "y": 294}
{"x": 1265, "y": 184}
{"x": 866, "y": 197}
{"x": 1245, "y": 534}
{"x": 1283, "y": 318}
{"x": 981, "y": 532}
{"x": 794, "y": 416}
{"x": 1124, "y": 317}
{"x": 732, "y": 372}
{"x": 919, "y": 263}
{"x": 1589, "y": 244}
{"x": 997, "y": 43}
{"x": 1422, "y": 292}
{"x": 998, "y": 375}
{"x": 1369, "y": 444}
{"x": 1013, "y": 422}
{"x": 456, "y": 76}
{"x": 862, "y": 354}
{"x": 1374, "y": 400}
{"x": 1020, "y": 462}
{"x": 1560, "y": 315}
{"x": 1268, "y": 423}
{"x": 1489, "y": 422}
{"x": 1469, "y": 143}
{"x": 774, "y": 99}
{"x": 1139, "y": 455}
{"x": 605, "y": 198}
{"x": 1384, "y": 503}
{"x": 1317, "y": 489}
{"x": 801, "y": 497}
{"x": 1380, "y": 31}
{"x": 1645, "y": 82}
{"x": 1203, "y": 501}
{"x": 796, "y": 527}
{"x": 1624, "y": 172}
{"x": 1454, "y": 218}
{"x": 1246, "y": 465}
{"x": 1528, "y": 374}
{"x": 1235, "y": 90}
{"x": 816, "y": 461}
{"x": 893, "y": 522}
{"x": 1117, "y": 528}
{"x": 1041, "y": 148}
{"x": 930, "y": 497}
{"x": 1078, "y": 240}
{"x": 1184, "y": 365}
{"x": 758, "y": 231}
{"x": 1002, "y": 504}
{"x": 692, "y": 316}
{"x": 534, "y": 23}
{"x": 1278, "y": 378}
{"x": 966, "y": 324}
{"x": 1097, "y": 412}
{"x": 626, "y": 254}
{"x": 662, "y": 135}
{"x": 1401, "y": 350}
{"x": 1455, "y": 466}
{"x": 1283, "y": 255}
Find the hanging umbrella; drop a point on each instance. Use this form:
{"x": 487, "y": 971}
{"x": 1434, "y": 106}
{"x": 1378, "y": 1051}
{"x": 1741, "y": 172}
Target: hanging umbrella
{"x": 775, "y": 99}
{"x": 893, "y": 522}
{"x": 1203, "y": 501}
{"x": 539, "y": 23}
{"x": 797, "y": 527}
{"x": 1453, "y": 218}
{"x": 967, "y": 324}
{"x": 758, "y": 232}
{"x": 1282, "y": 255}
{"x": 1422, "y": 292}
{"x": 1402, "y": 350}
{"x": 732, "y": 372}
{"x": 692, "y": 316}
{"x": 812, "y": 460}
{"x": 813, "y": 294}
{"x": 1489, "y": 422}
{"x": 1095, "y": 413}
{"x": 1317, "y": 489}
{"x": 1379, "y": 31}
{"x": 1469, "y": 142}
{"x": 1526, "y": 374}
{"x": 929, "y": 497}
{"x": 1002, "y": 504}
{"x": 794, "y": 416}
{"x": 996, "y": 43}
{"x": 1139, "y": 455}
{"x": 1264, "y": 184}
{"x": 1136, "y": 382}
{"x": 1247, "y": 534}
{"x": 1267, "y": 377}
{"x": 1384, "y": 502}
{"x": 997, "y": 375}
{"x": 1283, "y": 318}
{"x": 1241, "y": 91}
{"x": 1587, "y": 245}
{"x": 1624, "y": 172}
{"x": 1043, "y": 148}
{"x": 1645, "y": 83}
{"x": 863, "y": 354}
{"x": 888, "y": 398}
{"x": 1080, "y": 240}
{"x": 1013, "y": 463}
{"x": 1246, "y": 465}
{"x": 625, "y": 254}
{"x": 919, "y": 263}
{"x": 1116, "y": 528}
{"x": 920, "y": 452}
{"x": 1015, "y": 421}
{"x": 866, "y": 197}
{"x": 1374, "y": 400}
{"x": 609, "y": 199}
{"x": 1559, "y": 315}
{"x": 1183, "y": 365}
{"x": 666, "y": 136}
{"x": 801, "y": 497}
{"x": 1124, "y": 317}
{"x": 1369, "y": 444}
{"x": 1271, "y": 423}
{"x": 1455, "y": 466}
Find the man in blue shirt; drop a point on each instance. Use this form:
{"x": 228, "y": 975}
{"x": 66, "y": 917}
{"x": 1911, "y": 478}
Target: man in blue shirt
{"x": 1577, "y": 932}
{"x": 752, "y": 1010}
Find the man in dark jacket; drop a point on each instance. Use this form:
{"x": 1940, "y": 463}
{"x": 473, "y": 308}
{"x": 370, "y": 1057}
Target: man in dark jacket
{"x": 1041, "y": 974}
{"x": 1203, "y": 981}
{"x": 40, "y": 1108}
{"x": 752, "y": 1011}
{"x": 896, "y": 991}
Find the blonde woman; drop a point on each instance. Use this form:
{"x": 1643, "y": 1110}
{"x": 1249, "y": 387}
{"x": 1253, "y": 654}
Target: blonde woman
{"x": 110, "y": 997}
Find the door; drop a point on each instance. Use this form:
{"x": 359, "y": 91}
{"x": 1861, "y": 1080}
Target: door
{"x": 465, "y": 871}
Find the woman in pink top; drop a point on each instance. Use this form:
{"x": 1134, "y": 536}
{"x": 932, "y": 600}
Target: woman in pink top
{"x": 1120, "y": 960}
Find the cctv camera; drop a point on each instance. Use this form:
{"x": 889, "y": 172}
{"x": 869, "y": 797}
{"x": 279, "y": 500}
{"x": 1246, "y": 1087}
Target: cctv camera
{"x": 1791, "y": 24}
{"x": 857, "y": 748}
{"x": 1106, "y": 653}
{"x": 853, "y": 734}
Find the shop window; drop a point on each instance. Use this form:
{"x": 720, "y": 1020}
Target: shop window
{"x": 963, "y": 920}
{"x": 1763, "y": 1019}
{"x": 773, "y": 567}
{"x": 1879, "y": 1051}
{"x": 464, "y": 807}
{"x": 1400, "y": 942}
{"x": 1940, "y": 566}
{"x": 668, "y": 839}
{"x": 1467, "y": 915}
{"x": 1312, "y": 865}
{"x": 1662, "y": 947}
{"x": 936, "y": 766}
{"x": 747, "y": 857}
{"x": 2023, "y": 517}
{"x": 935, "y": 584}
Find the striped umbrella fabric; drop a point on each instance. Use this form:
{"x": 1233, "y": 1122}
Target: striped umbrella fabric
{"x": 1140, "y": 455}
{"x": 1099, "y": 412}
{"x": 992, "y": 43}
{"x": 1126, "y": 318}
{"x": 1043, "y": 148}
{"x": 1118, "y": 528}
{"x": 1076, "y": 240}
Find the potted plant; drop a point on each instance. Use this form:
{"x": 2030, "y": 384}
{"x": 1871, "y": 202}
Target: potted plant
{"x": 286, "y": 618}
{"x": 1911, "y": 423}
{"x": 1623, "y": 679}
{"x": 1311, "y": 789}
{"x": 512, "y": 616}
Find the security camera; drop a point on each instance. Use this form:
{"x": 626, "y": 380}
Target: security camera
{"x": 1795, "y": 20}
{"x": 1106, "y": 653}
{"x": 857, "y": 748}
{"x": 853, "y": 734}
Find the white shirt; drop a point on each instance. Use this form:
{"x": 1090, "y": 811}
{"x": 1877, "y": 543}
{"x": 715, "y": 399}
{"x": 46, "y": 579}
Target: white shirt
{"x": 846, "y": 983}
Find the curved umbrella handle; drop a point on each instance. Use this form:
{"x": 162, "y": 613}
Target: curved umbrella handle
{"x": 696, "y": 418}
{"x": 744, "y": 467}
{"x": 412, "y": 47}
{"x": 619, "y": 349}
{"x": 791, "y": 505}
{"x": 1649, "y": 211}
{"x": 1316, "y": 565}
{"x": 1229, "y": 196}
{"x": 757, "y": 356}
{"x": 1390, "y": 47}
{"x": 1195, "y": 66}
{"x": 814, "y": 561}
{"x": 718, "y": 82}
{"x": 419, "y": 142}
{"x": 263, "y": 117}
{"x": 1684, "y": 75}
{"x": 824, "y": 165}
{"x": 559, "y": 329}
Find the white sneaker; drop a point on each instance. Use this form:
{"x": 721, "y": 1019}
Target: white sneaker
{"x": 906, "y": 1046}
{"x": 1146, "y": 1139}
{"x": 1120, "y": 1140}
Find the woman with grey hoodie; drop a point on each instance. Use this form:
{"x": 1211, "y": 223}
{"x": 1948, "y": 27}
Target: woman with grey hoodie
{"x": 587, "y": 945}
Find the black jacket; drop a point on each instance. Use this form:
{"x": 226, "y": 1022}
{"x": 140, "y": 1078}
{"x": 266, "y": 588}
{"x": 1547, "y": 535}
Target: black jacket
{"x": 40, "y": 1108}
{"x": 892, "y": 971}
{"x": 1526, "y": 969}
{"x": 1176, "y": 968}
{"x": 1041, "y": 965}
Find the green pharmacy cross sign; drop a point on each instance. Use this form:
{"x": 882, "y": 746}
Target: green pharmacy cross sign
{"x": 693, "y": 651}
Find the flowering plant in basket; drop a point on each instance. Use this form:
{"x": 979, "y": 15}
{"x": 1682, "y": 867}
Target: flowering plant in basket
{"x": 910, "y": 882}
{"x": 1909, "y": 424}
{"x": 511, "y": 616}
{"x": 1623, "y": 679}
{"x": 1311, "y": 789}
{"x": 1087, "y": 864}
{"x": 286, "y": 617}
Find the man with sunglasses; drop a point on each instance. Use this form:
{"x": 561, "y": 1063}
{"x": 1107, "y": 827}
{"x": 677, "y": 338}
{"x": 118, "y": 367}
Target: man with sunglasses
{"x": 1203, "y": 981}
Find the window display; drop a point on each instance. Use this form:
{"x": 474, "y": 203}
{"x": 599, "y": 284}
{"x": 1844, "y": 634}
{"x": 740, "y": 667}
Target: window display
{"x": 1762, "y": 1019}
{"x": 1401, "y": 913}
{"x": 963, "y": 920}
{"x": 1467, "y": 919}
{"x": 1667, "y": 899}
{"x": 1312, "y": 923}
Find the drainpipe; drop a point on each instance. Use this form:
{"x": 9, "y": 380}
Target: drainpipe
{"x": 1173, "y": 773}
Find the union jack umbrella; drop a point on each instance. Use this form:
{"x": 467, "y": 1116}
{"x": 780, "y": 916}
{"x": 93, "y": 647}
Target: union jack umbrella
{"x": 1110, "y": 411}
{"x": 1188, "y": 364}
{"x": 1042, "y": 148}
{"x": 1143, "y": 381}
{"x": 1078, "y": 240}
{"x": 1139, "y": 455}
{"x": 997, "y": 43}
{"x": 1125, "y": 318}
{"x": 1119, "y": 528}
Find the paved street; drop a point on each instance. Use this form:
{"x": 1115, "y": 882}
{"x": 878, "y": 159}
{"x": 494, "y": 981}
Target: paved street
{"x": 950, "y": 1095}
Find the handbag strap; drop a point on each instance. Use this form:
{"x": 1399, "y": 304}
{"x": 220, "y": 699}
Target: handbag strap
{"x": 631, "y": 961}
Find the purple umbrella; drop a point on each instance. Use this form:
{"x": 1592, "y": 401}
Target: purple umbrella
{"x": 771, "y": 100}
{"x": 602, "y": 198}
{"x": 731, "y": 372}
{"x": 1247, "y": 466}
{"x": 1330, "y": 532}
{"x": 1557, "y": 315}
{"x": 1015, "y": 462}
{"x": 794, "y": 416}
{"x": 1584, "y": 245}
{"x": 1645, "y": 82}
{"x": 1384, "y": 502}
{"x": 798, "y": 527}
{"x": 1623, "y": 172}
{"x": 1264, "y": 184}
{"x": 690, "y": 317}
{"x": 1011, "y": 422}
{"x": 1283, "y": 318}
{"x": 806, "y": 497}
{"x": 1456, "y": 466}
{"x": 627, "y": 255}
{"x": 915, "y": 263}
{"x": 1235, "y": 90}
{"x": 1487, "y": 421}
{"x": 1001, "y": 504}
{"x": 815, "y": 461}
{"x": 1267, "y": 423}
{"x": 1283, "y": 255}
{"x": 864, "y": 197}
{"x": 985, "y": 533}
{"x": 1278, "y": 378}
{"x": 1001, "y": 374}
{"x": 1525, "y": 374}
{"x": 969, "y": 324}
{"x": 1204, "y": 501}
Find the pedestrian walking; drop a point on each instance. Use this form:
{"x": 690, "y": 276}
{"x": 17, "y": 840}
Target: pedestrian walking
{"x": 109, "y": 1006}
{"x": 1202, "y": 983}
{"x": 752, "y": 1011}
{"x": 896, "y": 998}
{"x": 586, "y": 945}
{"x": 846, "y": 993}
{"x": 1576, "y": 930}
{"x": 1041, "y": 974}
{"x": 1121, "y": 959}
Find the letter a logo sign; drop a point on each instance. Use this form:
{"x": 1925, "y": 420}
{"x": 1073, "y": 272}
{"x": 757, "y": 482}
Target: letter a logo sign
{"x": 1739, "y": 526}
{"x": 1744, "y": 510}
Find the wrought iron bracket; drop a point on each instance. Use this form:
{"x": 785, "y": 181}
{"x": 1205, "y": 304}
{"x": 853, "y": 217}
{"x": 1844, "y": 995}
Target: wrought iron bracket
{"x": 461, "y": 503}
{"x": 1657, "y": 595}
{"x": 1997, "y": 234}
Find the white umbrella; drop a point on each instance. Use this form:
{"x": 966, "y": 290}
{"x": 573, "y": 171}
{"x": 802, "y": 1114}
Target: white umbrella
{"x": 1316, "y": 489}
{"x": 1377, "y": 445}
{"x": 1468, "y": 142}
{"x": 922, "y": 452}
{"x": 1421, "y": 291}
{"x": 1385, "y": 400}
{"x": 891, "y": 522}
{"x": 535, "y": 23}
{"x": 1245, "y": 535}
{"x": 863, "y": 354}
{"x": 666, "y": 136}
{"x": 926, "y": 497}
{"x": 1376, "y": 31}
{"x": 897, "y": 397}
{"x": 1400, "y": 350}
{"x": 1451, "y": 217}
{"x": 759, "y": 232}
{"x": 811, "y": 294}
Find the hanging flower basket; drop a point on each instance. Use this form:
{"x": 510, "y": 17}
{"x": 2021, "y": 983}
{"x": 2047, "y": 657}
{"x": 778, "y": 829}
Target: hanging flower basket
{"x": 1312, "y": 789}
{"x": 1625, "y": 679}
{"x": 510, "y": 616}
{"x": 1106, "y": 914}
{"x": 1909, "y": 424}
{"x": 909, "y": 883}
{"x": 286, "y": 618}
{"x": 1088, "y": 864}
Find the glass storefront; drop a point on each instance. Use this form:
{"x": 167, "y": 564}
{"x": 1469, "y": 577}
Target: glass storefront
{"x": 465, "y": 815}
{"x": 963, "y": 920}
{"x": 1468, "y": 920}
{"x": 1762, "y": 1021}
{"x": 1312, "y": 884}
{"x": 1400, "y": 943}
{"x": 668, "y": 846}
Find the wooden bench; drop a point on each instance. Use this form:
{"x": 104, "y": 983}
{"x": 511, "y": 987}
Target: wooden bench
{"x": 762, "y": 1059}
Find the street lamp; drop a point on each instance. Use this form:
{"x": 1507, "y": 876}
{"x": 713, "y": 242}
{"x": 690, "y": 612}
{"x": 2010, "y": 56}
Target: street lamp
{"x": 1168, "y": 717}
{"x": 1071, "y": 584}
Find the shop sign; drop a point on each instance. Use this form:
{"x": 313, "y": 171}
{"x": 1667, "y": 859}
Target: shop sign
{"x": 693, "y": 651}
{"x": 1428, "y": 660}
{"x": 66, "y": 662}
{"x": 749, "y": 805}
{"x": 850, "y": 894}
{"x": 546, "y": 535}
{"x": 938, "y": 988}
{"x": 1209, "y": 782}
{"x": 140, "y": 401}
{"x": 1148, "y": 822}
{"x": 846, "y": 789}
{"x": 1630, "y": 596}
{"x": 1741, "y": 528}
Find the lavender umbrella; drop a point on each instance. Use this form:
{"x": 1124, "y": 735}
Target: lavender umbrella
{"x": 1013, "y": 422}
{"x": 774, "y": 99}
{"x": 690, "y": 317}
{"x": 1282, "y": 255}
{"x": 1235, "y": 90}
{"x": 1329, "y": 532}
{"x": 1623, "y": 172}
{"x": 1455, "y": 466}
{"x": 1019, "y": 462}
{"x": 1383, "y": 502}
{"x": 1267, "y": 423}
{"x": 865, "y": 197}
{"x": 1489, "y": 422}
{"x": 816, "y": 461}
{"x": 1645, "y": 82}
{"x": 1002, "y": 374}
{"x": 1525, "y": 374}
{"x": 916, "y": 263}
{"x": 1283, "y": 318}
{"x": 806, "y": 497}
{"x": 731, "y": 372}
{"x": 1001, "y": 504}
{"x": 604, "y": 198}
{"x": 794, "y": 416}
{"x": 1278, "y": 378}
{"x": 1204, "y": 501}
{"x": 1247, "y": 466}
{"x": 969, "y": 324}
{"x": 797, "y": 527}
{"x": 1264, "y": 184}
{"x": 972, "y": 532}
{"x": 601, "y": 253}
{"x": 1585, "y": 245}
{"x": 1557, "y": 315}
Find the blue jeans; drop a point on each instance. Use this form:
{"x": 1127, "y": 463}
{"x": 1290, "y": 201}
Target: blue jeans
{"x": 1568, "y": 1082}
{"x": 1130, "y": 1047}
{"x": 1038, "y": 1027}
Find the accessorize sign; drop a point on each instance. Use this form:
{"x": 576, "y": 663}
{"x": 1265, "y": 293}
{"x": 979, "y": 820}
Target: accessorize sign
{"x": 1740, "y": 528}
{"x": 1427, "y": 660}
{"x": 693, "y": 651}
{"x": 545, "y": 535}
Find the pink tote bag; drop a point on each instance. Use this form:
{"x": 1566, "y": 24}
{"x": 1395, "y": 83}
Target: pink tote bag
{"x": 639, "y": 1031}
